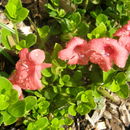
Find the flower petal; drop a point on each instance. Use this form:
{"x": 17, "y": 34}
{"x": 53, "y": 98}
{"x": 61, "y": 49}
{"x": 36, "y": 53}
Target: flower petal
{"x": 37, "y": 56}
{"x": 74, "y": 52}
{"x": 123, "y": 31}
{"x": 103, "y": 61}
{"x": 28, "y": 69}
{"x": 19, "y": 90}
{"x": 23, "y": 54}
{"x": 125, "y": 42}
{"x": 65, "y": 54}
{"x": 75, "y": 41}
{"x": 109, "y": 48}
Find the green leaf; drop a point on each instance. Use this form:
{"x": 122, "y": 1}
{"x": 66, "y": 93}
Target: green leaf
{"x": 123, "y": 92}
{"x": 15, "y": 11}
{"x": 114, "y": 87}
{"x": 82, "y": 29}
{"x": 72, "y": 67}
{"x": 119, "y": 8}
{"x": 55, "y": 123}
{"x": 71, "y": 110}
{"x": 77, "y": 75}
{"x": 107, "y": 76}
{"x": 68, "y": 121}
{"x": 56, "y": 49}
{"x": 61, "y": 82}
{"x": 53, "y": 14}
{"x": 0, "y": 36}
{"x": 86, "y": 102}
{"x": 70, "y": 23}
{"x": 5, "y": 85}
{"x": 21, "y": 14}
{"x": 74, "y": 91}
{"x": 11, "y": 9}
{"x": 40, "y": 124}
{"x": 4, "y": 37}
{"x": 56, "y": 13}
{"x": 7, "y": 56}
{"x": 74, "y": 20}
{"x": 61, "y": 13}
{"x": 30, "y": 126}
{"x": 30, "y": 40}
{"x": 55, "y": 2}
{"x": 120, "y": 78}
{"x": 96, "y": 74}
{"x": 66, "y": 36}
{"x": 101, "y": 18}
{"x": 94, "y": 88}
{"x": 44, "y": 31}
{"x": 84, "y": 98}
{"x": 7, "y": 118}
{"x": 13, "y": 96}
{"x": 89, "y": 95}
{"x": 83, "y": 108}
{"x": 56, "y": 70}
{"x": 46, "y": 72}
{"x": 44, "y": 81}
{"x": 95, "y": 1}
{"x": 70, "y": 84}
{"x": 30, "y": 102}
{"x": 128, "y": 74}
{"x": 65, "y": 78}
{"x": 17, "y": 109}
{"x": 77, "y": 1}
{"x": 16, "y": 2}
{"x": 1, "y": 119}
{"x": 21, "y": 44}
{"x": 4, "y": 102}
{"x": 111, "y": 31}
{"x": 99, "y": 31}
{"x": 43, "y": 106}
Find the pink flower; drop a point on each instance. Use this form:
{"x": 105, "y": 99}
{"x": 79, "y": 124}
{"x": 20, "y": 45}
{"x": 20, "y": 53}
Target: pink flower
{"x": 102, "y": 51}
{"x": 74, "y": 52}
{"x": 124, "y": 36}
{"x": 28, "y": 69}
{"x": 124, "y": 41}
{"x": 19, "y": 90}
{"x": 123, "y": 31}
{"x": 105, "y": 51}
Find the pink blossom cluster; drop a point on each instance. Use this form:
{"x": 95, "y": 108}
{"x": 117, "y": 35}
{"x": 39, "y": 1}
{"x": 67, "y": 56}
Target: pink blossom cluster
{"x": 28, "y": 70}
{"x": 101, "y": 51}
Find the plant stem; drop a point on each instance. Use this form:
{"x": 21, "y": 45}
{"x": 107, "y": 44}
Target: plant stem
{"x": 6, "y": 27}
{"x": 40, "y": 42}
{"x": 34, "y": 26}
{"x": 16, "y": 33}
{"x": 106, "y": 94}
